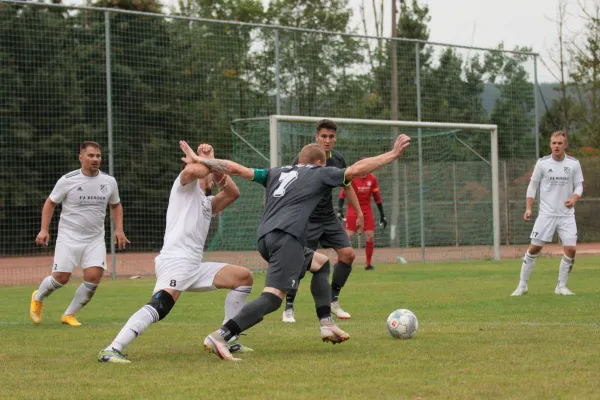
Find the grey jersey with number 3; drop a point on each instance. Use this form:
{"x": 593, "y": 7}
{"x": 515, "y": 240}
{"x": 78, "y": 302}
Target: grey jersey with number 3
{"x": 293, "y": 192}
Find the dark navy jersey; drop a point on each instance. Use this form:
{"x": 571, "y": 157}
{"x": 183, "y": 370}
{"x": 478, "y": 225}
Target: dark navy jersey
{"x": 324, "y": 209}
{"x": 293, "y": 192}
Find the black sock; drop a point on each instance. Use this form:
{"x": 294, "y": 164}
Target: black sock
{"x": 341, "y": 272}
{"x": 289, "y": 299}
{"x": 229, "y": 330}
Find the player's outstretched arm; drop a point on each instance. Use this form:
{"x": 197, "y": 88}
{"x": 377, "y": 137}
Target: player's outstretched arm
{"x": 215, "y": 165}
{"x": 368, "y": 165}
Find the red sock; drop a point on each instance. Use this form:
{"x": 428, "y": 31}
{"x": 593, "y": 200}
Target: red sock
{"x": 369, "y": 247}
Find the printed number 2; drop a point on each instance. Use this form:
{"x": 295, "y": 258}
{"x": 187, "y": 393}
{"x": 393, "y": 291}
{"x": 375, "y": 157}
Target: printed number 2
{"x": 285, "y": 180}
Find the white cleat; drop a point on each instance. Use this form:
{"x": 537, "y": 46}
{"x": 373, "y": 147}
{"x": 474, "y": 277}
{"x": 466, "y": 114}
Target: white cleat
{"x": 338, "y": 312}
{"x": 214, "y": 343}
{"x": 563, "y": 291}
{"x": 332, "y": 333}
{"x": 521, "y": 291}
{"x": 288, "y": 316}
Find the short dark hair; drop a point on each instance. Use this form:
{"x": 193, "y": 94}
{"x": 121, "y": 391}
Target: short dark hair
{"x": 89, "y": 143}
{"x": 326, "y": 124}
{"x": 311, "y": 153}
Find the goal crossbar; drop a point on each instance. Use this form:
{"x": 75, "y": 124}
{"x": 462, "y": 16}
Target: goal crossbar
{"x": 275, "y": 156}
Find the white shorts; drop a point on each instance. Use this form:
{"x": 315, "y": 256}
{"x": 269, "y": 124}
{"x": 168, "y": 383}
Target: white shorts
{"x": 70, "y": 254}
{"x": 546, "y": 225}
{"x": 185, "y": 275}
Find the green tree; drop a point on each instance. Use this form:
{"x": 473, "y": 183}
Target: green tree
{"x": 513, "y": 111}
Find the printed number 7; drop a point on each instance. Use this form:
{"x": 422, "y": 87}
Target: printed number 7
{"x": 285, "y": 180}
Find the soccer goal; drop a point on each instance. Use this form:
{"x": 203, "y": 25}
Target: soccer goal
{"x": 441, "y": 198}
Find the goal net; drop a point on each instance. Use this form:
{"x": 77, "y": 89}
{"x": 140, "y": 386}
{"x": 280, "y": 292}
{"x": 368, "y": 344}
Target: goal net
{"x": 440, "y": 199}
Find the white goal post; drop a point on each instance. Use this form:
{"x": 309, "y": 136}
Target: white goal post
{"x": 276, "y": 159}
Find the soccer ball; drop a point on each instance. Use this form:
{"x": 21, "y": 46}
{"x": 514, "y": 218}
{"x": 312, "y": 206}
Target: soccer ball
{"x": 402, "y": 324}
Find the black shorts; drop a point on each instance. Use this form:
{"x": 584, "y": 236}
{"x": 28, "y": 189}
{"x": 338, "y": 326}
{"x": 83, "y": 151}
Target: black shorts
{"x": 288, "y": 259}
{"x": 329, "y": 233}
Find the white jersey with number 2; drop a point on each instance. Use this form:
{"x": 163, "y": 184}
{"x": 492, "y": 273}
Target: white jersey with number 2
{"x": 557, "y": 180}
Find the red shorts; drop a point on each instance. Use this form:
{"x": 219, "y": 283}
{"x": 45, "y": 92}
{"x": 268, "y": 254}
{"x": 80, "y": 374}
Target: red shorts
{"x": 351, "y": 222}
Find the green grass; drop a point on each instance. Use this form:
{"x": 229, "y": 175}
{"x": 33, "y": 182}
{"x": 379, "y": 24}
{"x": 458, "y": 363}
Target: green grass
{"x": 474, "y": 341}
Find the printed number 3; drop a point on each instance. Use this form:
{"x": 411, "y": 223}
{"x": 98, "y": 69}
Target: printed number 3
{"x": 285, "y": 180}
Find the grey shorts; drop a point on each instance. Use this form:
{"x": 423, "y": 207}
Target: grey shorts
{"x": 329, "y": 233}
{"x": 288, "y": 259}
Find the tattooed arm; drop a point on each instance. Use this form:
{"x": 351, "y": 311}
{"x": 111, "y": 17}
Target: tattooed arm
{"x": 215, "y": 165}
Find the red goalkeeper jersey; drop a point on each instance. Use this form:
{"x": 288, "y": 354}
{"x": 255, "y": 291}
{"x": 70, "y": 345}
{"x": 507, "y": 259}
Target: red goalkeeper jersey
{"x": 364, "y": 188}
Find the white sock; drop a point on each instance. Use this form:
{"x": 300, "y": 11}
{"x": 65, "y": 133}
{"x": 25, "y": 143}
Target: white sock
{"x": 47, "y": 287}
{"x": 527, "y": 268}
{"x": 135, "y": 326}
{"x": 83, "y": 295}
{"x": 564, "y": 271}
{"x": 235, "y": 300}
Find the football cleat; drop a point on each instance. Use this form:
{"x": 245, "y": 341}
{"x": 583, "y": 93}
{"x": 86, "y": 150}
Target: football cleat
{"x": 70, "y": 320}
{"x": 338, "y": 312}
{"x": 214, "y": 343}
{"x": 35, "y": 309}
{"x": 288, "y": 316}
{"x": 332, "y": 333}
{"x": 112, "y": 356}
{"x": 563, "y": 291}
{"x": 236, "y": 347}
{"x": 369, "y": 268}
{"x": 520, "y": 291}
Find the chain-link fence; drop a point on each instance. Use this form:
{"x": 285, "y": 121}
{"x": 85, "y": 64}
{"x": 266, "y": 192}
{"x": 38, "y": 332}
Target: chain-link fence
{"x": 137, "y": 83}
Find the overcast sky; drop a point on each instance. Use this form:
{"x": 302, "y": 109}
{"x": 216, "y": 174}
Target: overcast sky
{"x": 486, "y": 23}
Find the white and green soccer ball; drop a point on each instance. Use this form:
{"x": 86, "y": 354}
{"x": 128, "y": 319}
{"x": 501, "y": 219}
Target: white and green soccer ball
{"x": 402, "y": 324}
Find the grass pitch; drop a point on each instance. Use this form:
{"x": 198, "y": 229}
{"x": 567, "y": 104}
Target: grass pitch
{"x": 474, "y": 341}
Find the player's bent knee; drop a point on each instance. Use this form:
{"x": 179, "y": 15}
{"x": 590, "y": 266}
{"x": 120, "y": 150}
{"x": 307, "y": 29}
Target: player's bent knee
{"x": 324, "y": 269}
{"x": 535, "y": 248}
{"x": 347, "y": 255}
{"x": 318, "y": 261}
{"x": 162, "y": 302}
{"x": 61, "y": 277}
{"x": 273, "y": 301}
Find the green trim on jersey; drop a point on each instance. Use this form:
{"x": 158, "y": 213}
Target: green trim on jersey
{"x": 260, "y": 176}
{"x": 346, "y": 183}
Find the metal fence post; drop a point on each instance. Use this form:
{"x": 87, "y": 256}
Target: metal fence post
{"x": 109, "y": 126}
{"x": 277, "y": 74}
{"x": 421, "y": 194}
{"x": 537, "y": 112}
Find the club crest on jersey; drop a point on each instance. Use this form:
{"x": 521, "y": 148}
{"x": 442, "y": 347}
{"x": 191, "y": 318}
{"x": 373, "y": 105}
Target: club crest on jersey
{"x": 567, "y": 170}
{"x": 103, "y": 188}
{"x": 369, "y": 183}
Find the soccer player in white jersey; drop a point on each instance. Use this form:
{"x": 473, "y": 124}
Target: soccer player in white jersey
{"x": 84, "y": 194}
{"x": 561, "y": 184}
{"x": 179, "y": 267}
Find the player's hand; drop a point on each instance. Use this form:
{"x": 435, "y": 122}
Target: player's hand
{"x": 206, "y": 150}
{"x": 190, "y": 156}
{"x": 402, "y": 142}
{"x": 42, "y": 238}
{"x": 121, "y": 240}
{"x": 570, "y": 203}
{"x": 340, "y": 216}
{"x": 527, "y": 215}
{"x": 360, "y": 224}
{"x": 382, "y": 222}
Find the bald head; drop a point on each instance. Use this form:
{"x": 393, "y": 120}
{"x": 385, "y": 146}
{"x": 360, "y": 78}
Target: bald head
{"x": 312, "y": 154}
